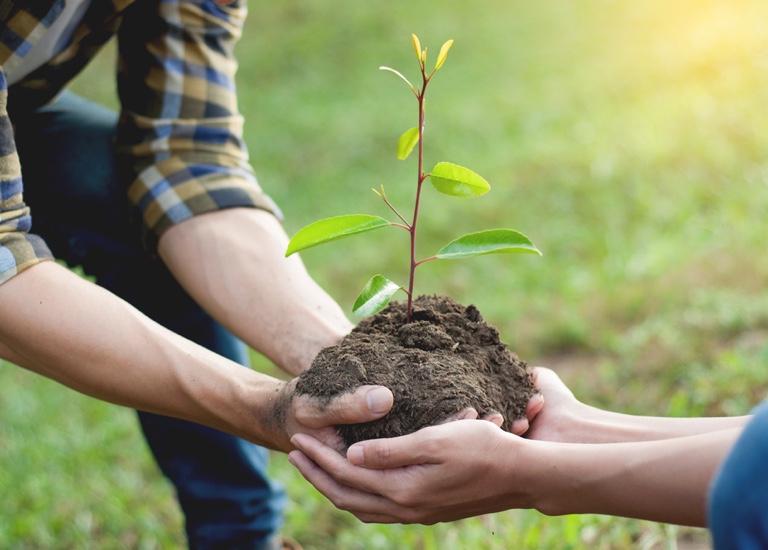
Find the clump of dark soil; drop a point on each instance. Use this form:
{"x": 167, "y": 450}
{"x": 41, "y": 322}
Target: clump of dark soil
{"x": 446, "y": 360}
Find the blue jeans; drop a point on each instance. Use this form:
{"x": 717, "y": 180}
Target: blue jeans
{"x": 81, "y": 210}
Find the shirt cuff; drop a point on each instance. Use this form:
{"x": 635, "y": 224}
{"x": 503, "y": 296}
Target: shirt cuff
{"x": 18, "y": 251}
{"x": 173, "y": 191}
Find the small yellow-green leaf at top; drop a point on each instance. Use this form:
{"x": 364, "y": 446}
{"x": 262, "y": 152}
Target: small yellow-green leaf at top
{"x": 443, "y": 54}
{"x": 458, "y": 181}
{"x": 375, "y": 296}
{"x": 407, "y": 142}
{"x": 492, "y": 241}
{"x": 381, "y": 193}
{"x": 416, "y": 46}
{"x": 331, "y": 229}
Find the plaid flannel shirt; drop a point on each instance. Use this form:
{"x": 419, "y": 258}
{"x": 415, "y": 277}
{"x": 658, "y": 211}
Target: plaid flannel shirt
{"x": 179, "y": 138}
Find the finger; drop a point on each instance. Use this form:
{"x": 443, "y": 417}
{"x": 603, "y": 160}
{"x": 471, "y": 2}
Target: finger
{"x": 339, "y": 469}
{"x": 535, "y": 373}
{"x": 519, "y": 426}
{"x": 542, "y": 376}
{"x": 494, "y": 418}
{"x": 534, "y": 406}
{"x": 466, "y": 414}
{"x": 367, "y": 506}
{"x": 394, "y": 452}
{"x": 365, "y": 404}
{"x": 323, "y": 455}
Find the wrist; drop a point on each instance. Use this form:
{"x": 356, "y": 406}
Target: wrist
{"x": 244, "y": 404}
{"x": 593, "y": 425}
{"x": 523, "y": 471}
{"x": 581, "y": 423}
{"x": 557, "y": 478}
{"x": 537, "y": 476}
{"x": 297, "y": 352}
{"x": 576, "y": 423}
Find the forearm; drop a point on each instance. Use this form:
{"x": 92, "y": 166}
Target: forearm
{"x": 665, "y": 481}
{"x": 591, "y": 425}
{"x": 56, "y": 324}
{"x": 233, "y": 263}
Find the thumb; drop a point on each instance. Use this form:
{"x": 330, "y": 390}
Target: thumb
{"x": 365, "y": 404}
{"x": 395, "y": 452}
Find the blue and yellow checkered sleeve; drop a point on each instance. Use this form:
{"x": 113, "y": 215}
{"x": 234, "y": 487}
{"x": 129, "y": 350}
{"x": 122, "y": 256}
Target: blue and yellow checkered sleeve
{"x": 19, "y": 249}
{"x": 180, "y": 136}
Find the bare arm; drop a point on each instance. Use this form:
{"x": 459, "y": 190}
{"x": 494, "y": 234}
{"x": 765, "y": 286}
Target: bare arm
{"x": 466, "y": 468}
{"x": 565, "y": 419}
{"x": 663, "y": 480}
{"x": 232, "y": 262}
{"x": 56, "y": 324}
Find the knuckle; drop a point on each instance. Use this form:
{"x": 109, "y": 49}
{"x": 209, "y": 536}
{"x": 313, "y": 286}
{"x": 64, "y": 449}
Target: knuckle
{"x": 407, "y": 497}
{"x": 342, "y": 504}
{"x": 433, "y": 444}
{"x": 382, "y": 453}
{"x": 339, "y": 499}
{"x": 416, "y": 516}
{"x": 371, "y": 518}
{"x": 337, "y": 472}
{"x": 342, "y": 408}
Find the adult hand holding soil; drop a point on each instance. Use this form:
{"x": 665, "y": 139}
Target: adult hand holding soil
{"x": 303, "y": 414}
{"x": 109, "y": 350}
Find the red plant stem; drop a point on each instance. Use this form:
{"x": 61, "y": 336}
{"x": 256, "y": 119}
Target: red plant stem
{"x": 421, "y": 178}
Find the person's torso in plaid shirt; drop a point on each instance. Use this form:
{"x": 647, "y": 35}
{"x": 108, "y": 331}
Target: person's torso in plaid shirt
{"x": 180, "y": 133}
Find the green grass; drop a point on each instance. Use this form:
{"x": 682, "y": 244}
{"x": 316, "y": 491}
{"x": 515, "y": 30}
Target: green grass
{"x": 627, "y": 140}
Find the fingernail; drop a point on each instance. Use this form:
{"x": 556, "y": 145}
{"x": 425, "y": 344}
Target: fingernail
{"x": 379, "y": 400}
{"x": 355, "y": 454}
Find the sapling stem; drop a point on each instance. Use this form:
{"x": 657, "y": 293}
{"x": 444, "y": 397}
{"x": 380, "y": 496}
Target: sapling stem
{"x": 447, "y": 178}
{"x": 421, "y": 177}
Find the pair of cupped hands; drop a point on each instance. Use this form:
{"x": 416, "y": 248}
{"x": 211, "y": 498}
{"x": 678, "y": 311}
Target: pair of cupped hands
{"x": 464, "y": 467}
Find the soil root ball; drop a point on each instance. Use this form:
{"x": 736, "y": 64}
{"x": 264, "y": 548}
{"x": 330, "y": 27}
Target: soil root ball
{"x": 446, "y": 360}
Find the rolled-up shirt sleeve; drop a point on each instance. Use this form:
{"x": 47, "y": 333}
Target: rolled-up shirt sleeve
{"x": 180, "y": 141}
{"x": 19, "y": 249}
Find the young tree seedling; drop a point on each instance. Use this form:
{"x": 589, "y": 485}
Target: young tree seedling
{"x": 450, "y": 179}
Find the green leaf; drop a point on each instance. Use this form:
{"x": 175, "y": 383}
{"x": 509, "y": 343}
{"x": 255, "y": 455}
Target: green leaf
{"x": 331, "y": 229}
{"x": 407, "y": 142}
{"x": 375, "y": 296}
{"x": 492, "y": 241}
{"x": 458, "y": 181}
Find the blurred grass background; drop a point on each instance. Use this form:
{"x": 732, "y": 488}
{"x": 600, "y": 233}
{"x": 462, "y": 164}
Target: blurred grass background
{"x": 627, "y": 139}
